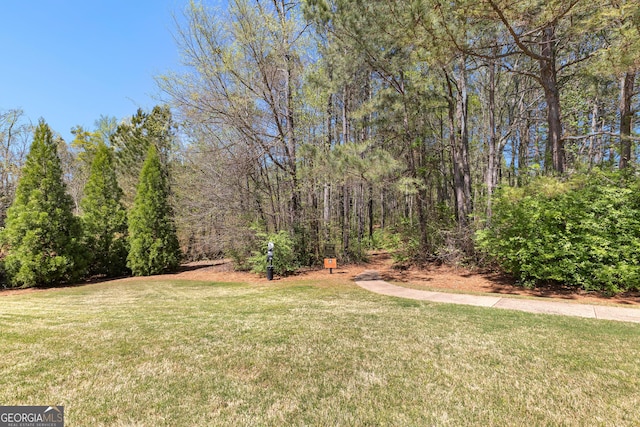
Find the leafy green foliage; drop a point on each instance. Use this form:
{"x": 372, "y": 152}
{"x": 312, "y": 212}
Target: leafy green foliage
{"x": 104, "y": 218}
{"x": 582, "y": 233}
{"x": 153, "y": 241}
{"x": 385, "y": 239}
{"x": 284, "y": 257}
{"x": 42, "y": 235}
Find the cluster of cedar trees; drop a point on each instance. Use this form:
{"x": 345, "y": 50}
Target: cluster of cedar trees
{"x": 366, "y": 124}
{"x": 44, "y": 243}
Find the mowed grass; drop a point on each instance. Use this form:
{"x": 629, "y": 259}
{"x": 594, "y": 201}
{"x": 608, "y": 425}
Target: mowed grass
{"x": 179, "y": 353}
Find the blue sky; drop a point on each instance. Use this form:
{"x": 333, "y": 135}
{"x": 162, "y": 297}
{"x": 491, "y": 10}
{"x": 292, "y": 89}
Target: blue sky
{"x": 71, "y": 61}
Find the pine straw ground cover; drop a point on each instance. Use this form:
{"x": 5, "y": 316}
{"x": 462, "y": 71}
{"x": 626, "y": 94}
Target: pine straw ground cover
{"x": 307, "y": 352}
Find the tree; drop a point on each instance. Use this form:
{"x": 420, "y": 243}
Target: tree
{"x": 416, "y": 83}
{"x": 557, "y": 36}
{"x": 131, "y": 141}
{"x": 466, "y": 96}
{"x": 241, "y": 99}
{"x": 104, "y": 218}
{"x": 41, "y": 237}
{"x": 15, "y": 133}
{"x": 625, "y": 59}
{"x": 78, "y": 156}
{"x": 153, "y": 241}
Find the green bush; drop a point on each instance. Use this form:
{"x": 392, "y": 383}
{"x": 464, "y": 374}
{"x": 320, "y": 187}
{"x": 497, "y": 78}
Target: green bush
{"x": 584, "y": 232}
{"x": 385, "y": 239}
{"x": 284, "y": 257}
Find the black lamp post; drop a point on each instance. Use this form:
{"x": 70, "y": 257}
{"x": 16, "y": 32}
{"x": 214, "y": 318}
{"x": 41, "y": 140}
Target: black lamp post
{"x": 270, "y": 261}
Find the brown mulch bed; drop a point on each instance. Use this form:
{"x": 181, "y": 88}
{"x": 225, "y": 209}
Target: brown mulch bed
{"x": 430, "y": 277}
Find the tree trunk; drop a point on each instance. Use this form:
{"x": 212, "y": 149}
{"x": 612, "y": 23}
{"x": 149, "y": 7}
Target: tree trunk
{"x": 408, "y": 139}
{"x": 626, "y": 116}
{"x": 291, "y": 144}
{"x": 593, "y": 141}
{"x": 360, "y": 213}
{"x": 315, "y": 224}
{"x": 458, "y": 182}
{"x": 345, "y": 116}
{"x": 492, "y": 161}
{"x": 326, "y": 203}
{"x": 548, "y": 78}
{"x": 459, "y": 141}
{"x": 444, "y": 196}
{"x": 463, "y": 120}
{"x": 370, "y": 211}
{"x": 326, "y": 200}
{"x": 525, "y": 137}
{"x": 346, "y": 229}
{"x": 383, "y": 210}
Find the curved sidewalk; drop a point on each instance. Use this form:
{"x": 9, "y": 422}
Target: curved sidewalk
{"x": 370, "y": 280}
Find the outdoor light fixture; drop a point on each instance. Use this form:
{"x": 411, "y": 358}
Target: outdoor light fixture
{"x": 270, "y": 261}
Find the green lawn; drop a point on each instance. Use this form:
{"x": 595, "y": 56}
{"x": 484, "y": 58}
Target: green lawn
{"x": 304, "y": 353}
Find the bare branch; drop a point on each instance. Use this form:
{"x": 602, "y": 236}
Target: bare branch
{"x": 617, "y": 135}
{"x": 516, "y": 37}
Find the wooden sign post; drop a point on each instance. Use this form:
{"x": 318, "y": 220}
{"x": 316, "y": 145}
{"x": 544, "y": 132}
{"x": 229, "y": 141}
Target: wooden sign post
{"x": 330, "y": 263}
{"x": 330, "y": 260}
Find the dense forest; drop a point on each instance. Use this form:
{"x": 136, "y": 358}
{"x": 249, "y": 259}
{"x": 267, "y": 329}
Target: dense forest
{"x": 477, "y": 131}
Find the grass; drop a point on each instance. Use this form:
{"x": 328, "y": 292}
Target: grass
{"x": 184, "y": 353}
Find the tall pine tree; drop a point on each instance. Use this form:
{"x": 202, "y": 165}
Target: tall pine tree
{"x": 41, "y": 237}
{"x": 131, "y": 142}
{"x": 104, "y": 218}
{"x": 153, "y": 241}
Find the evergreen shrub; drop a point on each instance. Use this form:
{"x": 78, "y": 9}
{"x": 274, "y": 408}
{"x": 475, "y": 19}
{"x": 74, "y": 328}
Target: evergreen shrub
{"x": 153, "y": 241}
{"x": 41, "y": 238}
{"x": 104, "y": 218}
{"x": 284, "y": 257}
{"x": 584, "y": 232}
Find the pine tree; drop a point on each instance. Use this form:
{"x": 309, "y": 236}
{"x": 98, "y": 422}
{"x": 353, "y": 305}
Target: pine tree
{"x": 131, "y": 142}
{"x": 41, "y": 236}
{"x": 104, "y": 218}
{"x": 153, "y": 241}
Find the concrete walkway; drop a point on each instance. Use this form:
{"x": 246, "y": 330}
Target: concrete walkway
{"x": 370, "y": 280}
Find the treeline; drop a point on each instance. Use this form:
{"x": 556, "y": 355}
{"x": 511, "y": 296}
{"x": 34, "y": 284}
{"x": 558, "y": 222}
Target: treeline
{"x": 359, "y": 124}
{"x": 398, "y": 124}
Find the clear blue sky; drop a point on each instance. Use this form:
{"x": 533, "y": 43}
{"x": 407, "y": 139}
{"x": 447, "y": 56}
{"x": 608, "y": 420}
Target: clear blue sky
{"x": 71, "y": 61}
